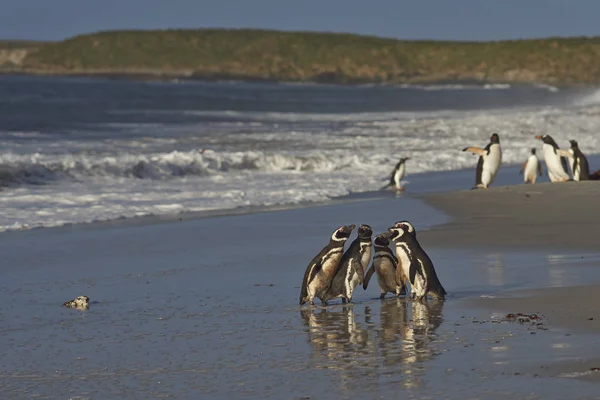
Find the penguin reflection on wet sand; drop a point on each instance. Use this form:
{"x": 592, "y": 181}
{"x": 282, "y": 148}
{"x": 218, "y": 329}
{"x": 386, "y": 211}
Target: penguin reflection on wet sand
{"x": 385, "y": 265}
{"x": 489, "y": 162}
{"x": 556, "y": 165}
{"x": 416, "y": 264}
{"x": 579, "y": 164}
{"x": 351, "y": 271}
{"x": 531, "y": 168}
{"x": 322, "y": 268}
{"x": 397, "y": 175}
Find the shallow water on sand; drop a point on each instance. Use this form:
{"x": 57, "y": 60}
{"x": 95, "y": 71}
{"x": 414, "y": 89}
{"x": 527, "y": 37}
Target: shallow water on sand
{"x": 208, "y": 309}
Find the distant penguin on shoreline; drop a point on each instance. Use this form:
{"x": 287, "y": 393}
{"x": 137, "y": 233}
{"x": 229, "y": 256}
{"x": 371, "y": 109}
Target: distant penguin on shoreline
{"x": 397, "y": 175}
{"x": 531, "y": 168}
{"x": 489, "y": 162}
{"x": 556, "y": 164}
{"x": 579, "y": 164}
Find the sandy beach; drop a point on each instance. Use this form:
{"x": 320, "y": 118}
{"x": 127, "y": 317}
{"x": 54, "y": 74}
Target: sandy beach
{"x": 207, "y": 307}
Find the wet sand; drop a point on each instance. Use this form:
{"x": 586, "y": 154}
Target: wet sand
{"x": 556, "y": 217}
{"x": 207, "y": 308}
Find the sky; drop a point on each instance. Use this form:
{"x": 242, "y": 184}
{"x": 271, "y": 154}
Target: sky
{"x": 416, "y": 19}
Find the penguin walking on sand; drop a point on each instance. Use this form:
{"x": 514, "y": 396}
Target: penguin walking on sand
{"x": 531, "y": 168}
{"x": 420, "y": 272}
{"x": 397, "y": 175}
{"x": 489, "y": 162}
{"x": 579, "y": 164}
{"x": 384, "y": 265}
{"x": 556, "y": 164}
{"x": 321, "y": 270}
{"x": 351, "y": 271}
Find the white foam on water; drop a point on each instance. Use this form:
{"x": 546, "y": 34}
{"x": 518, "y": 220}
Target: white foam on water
{"x": 290, "y": 159}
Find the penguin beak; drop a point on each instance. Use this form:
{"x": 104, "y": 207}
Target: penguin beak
{"x": 539, "y": 137}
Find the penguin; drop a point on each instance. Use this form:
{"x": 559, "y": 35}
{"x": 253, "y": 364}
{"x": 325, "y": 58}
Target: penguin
{"x": 555, "y": 163}
{"x": 532, "y": 168}
{"x": 400, "y": 274}
{"x": 351, "y": 271}
{"x": 416, "y": 264}
{"x": 398, "y": 174}
{"x": 579, "y": 164}
{"x": 322, "y": 268}
{"x": 385, "y": 264}
{"x": 489, "y": 162}
{"x": 79, "y": 302}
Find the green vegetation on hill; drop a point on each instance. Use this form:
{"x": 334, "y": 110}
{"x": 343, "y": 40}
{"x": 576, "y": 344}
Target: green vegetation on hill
{"x": 322, "y": 57}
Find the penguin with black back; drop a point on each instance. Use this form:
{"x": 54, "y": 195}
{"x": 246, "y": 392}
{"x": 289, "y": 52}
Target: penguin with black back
{"x": 397, "y": 175}
{"x": 579, "y": 164}
{"x": 490, "y": 158}
{"x": 554, "y": 156}
{"x": 352, "y": 268}
{"x": 420, "y": 272}
{"x": 384, "y": 265}
{"x": 323, "y": 267}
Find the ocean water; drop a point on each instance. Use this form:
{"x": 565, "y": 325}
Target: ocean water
{"x": 81, "y": 150}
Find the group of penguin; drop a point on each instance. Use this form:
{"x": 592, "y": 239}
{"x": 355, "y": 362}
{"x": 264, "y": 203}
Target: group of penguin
{"x": 490, "y": 158}
{"x": 334, "y": 273}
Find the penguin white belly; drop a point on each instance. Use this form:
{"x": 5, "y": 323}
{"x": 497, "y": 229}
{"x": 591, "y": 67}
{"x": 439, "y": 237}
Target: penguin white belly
{"x": 554, "y": 166}
{"x": 352, "y": 279}
{"x": 403, "y": 260}
{"x": 386, "y": 276}
{"x": 531, "y": 169}
{"x": 399, "y": 175}
{"x": 491, "y": 164}
{"x": 365, "y": 249}
{"x": 420, "y": 284}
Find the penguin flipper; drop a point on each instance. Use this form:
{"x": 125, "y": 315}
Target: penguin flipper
{"x": 309, "y": 275}
{"x": 475, "y": 150}
{"x": 523, "y": 167}
{"x": 359, "y": 271}
{"x": 415, "y": 268}
{"x": 564, "y": 153}
{"x": 540, "y": 168}
{"x": 368, "y": 276}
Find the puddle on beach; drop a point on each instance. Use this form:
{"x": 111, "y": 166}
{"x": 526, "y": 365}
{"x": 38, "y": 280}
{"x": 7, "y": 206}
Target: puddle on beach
{"x": 208, "y": 309}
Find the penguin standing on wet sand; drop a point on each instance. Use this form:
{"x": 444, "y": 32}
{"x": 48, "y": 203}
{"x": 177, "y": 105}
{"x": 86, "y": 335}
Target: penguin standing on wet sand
{"x": 398, "y": 174}
{"x": 556, "y": 165}
{"x": 384, "y": 265}
{"x": 321, "y": 270}
{"x": 401, "y": 276}
{"x": 531, "y": 168}
{"x": 579, "y": 164}
{"x": 352, "y": 267}
{"x": 489, "y": 162}
{"x": 420, "y": 272}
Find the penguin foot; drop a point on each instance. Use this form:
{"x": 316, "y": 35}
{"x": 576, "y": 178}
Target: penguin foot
{"x": 343, "y": 300}
{"x": 382, "y": 296}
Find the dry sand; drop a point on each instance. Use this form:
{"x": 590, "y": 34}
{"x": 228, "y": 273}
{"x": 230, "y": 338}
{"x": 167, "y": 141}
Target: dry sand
{"x": 547, "y": 215}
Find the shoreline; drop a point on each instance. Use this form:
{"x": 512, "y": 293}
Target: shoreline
{"x": 183, "y": 77}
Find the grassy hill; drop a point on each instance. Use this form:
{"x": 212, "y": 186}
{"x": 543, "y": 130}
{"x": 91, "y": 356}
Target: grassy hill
{"x": 321, "y": 57}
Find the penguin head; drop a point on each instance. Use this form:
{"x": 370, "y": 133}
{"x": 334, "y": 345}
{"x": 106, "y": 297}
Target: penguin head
{"x": 410, "y": 228}
{"x": 382, "y": 240}
{"x": 495, "y": 138}
{"x": 547, "y": 139}
{"x": 398, "y": 234}
{"x": 404, "y": 159}
{"x": 533, "y": 151}
{"x": 365, "y": 232}
{"x": 574, "y": 144}
{"x": 342, "y": 233}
